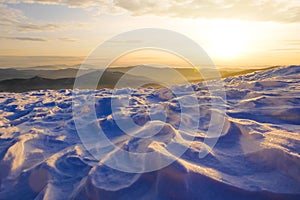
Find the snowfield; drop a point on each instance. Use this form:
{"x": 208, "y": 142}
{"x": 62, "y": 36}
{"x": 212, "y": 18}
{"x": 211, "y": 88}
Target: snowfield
{"x": 256, "y": 157}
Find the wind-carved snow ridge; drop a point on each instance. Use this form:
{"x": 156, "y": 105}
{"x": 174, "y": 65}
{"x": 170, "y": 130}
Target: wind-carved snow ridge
{"x": 256, "y": 157}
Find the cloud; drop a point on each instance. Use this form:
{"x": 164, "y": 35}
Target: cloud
{"x": 24, "y": 39}
{"x": 70, "y": 3}
{"x": 14, "y": 20}
{"x": 268, "y": 10}
{"x": 36, "y": 39}
{"x": 264, "y": 10}
{"x": 126, "y": 41}
{"x": 29, "y": 27}
{"x": 67, "y": 39}
{"x": 292, "y": 42}
{"x": 287, "y": 49}
{"x": 9, "y": 16}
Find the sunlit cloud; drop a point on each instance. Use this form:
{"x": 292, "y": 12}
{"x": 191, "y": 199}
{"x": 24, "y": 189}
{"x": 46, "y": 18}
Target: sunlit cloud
{"x": 125, "y": 41}
{"x": 287, "y": 49}
{"x": 67, "y": 39}
{"x": 268, "y": 10}
{"x": 36, "y": 39}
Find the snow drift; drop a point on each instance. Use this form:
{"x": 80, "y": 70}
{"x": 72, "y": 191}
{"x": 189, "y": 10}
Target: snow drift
{"x": 256, "y": 157}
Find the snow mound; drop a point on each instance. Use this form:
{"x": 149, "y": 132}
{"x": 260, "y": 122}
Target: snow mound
{"x": 256, "y": 157}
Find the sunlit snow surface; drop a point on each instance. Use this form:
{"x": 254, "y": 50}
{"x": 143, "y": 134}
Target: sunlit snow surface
{"x": 256, "y": 157}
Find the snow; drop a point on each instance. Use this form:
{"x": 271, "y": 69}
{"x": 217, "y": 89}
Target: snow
{"x": 256, "y": 157}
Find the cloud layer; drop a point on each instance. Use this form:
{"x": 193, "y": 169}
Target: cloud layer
{"x": 36, "y": 39}
{"x": 25, "y": 39}
{"x": 14, "y": 20}
{"x": 264, "y": 10}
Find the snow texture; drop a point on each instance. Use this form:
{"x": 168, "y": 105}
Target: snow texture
{"x": 256, "y": 157}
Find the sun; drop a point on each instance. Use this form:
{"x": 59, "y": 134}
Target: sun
{"x": 228, "y": 39}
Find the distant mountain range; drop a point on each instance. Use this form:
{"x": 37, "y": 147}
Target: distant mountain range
{"x": 108, "y": 80}
{"x": 6, "y": 74}
{"x": 14, "y": 80}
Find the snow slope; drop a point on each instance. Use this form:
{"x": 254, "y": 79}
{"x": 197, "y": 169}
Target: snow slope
{"x": 256, "y": 157}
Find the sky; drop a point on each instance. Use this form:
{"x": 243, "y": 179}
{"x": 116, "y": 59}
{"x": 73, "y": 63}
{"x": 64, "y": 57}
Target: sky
{"x": 234, "y": 33}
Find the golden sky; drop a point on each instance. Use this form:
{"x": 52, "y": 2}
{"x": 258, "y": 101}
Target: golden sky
{"x": 234, "y": 33}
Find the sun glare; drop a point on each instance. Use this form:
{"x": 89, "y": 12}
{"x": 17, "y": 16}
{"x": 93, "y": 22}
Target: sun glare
{"x": 228, "y": 39}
